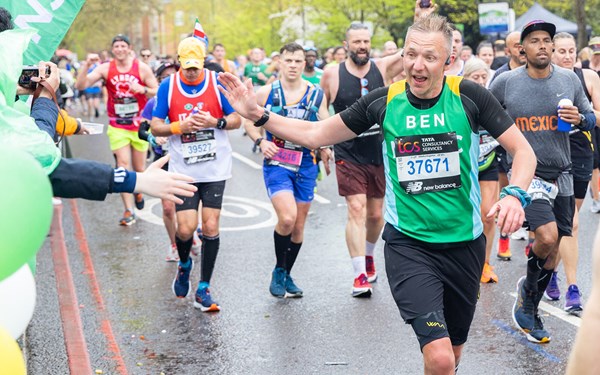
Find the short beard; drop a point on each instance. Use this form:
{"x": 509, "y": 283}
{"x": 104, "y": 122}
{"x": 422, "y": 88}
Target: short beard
{"x": 537, "y": 65}
{"x": 358, "y": 60}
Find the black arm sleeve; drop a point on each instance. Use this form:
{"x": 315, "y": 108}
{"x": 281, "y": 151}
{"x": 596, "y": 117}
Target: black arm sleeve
{"x": 87, "y": 179}
{"x": 484, "y": 109}
{"x": 366, "y": 111}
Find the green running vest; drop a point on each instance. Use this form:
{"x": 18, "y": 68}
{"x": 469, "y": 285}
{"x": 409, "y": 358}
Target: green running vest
{"x": 431, "y": 164}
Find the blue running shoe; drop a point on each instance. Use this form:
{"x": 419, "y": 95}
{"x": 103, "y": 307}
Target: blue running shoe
{"x": 573, "y": 301}
{"x": 523, "y": 312}
{"x": 181, "y": 284}
{"x": 277, "y": 287}
{"x": 204, "y": 301}
{"x": 291, "y": 289}
{"x": 552, "y": 292}
{"x": 538, "y": 334}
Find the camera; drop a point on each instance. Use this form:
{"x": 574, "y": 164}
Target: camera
{"x": 28, "y": 72}
{"x": 425, "y": 4}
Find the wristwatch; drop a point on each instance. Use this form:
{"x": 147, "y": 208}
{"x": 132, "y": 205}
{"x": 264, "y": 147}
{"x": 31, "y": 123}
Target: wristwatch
{"x": 221, "y": 123}
{"x": 263, "y": 119}
{"x": 258, "y": 140}
{"x": 583, "y": 121}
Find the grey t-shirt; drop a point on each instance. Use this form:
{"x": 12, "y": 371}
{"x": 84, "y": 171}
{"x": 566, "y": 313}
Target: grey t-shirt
{"x": 533, "y": 104}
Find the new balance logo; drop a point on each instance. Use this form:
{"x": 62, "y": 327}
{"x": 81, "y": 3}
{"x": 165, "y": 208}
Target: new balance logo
{"x": 435, "y": 324}
{"x": 414, "y": 186}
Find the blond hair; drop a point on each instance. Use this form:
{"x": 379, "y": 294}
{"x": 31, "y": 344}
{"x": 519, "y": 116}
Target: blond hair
{"x": 434, "y": 23}
{"x": 473, "y": 65}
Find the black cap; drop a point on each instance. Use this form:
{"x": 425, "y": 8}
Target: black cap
{"x": 536, "y": 25}
{"x": 164, "y": 66}
{"x": 121, "y": 38}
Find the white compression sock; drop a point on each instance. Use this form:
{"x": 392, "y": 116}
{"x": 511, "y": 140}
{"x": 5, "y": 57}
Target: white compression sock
{"x": 358, "y": 263}
{"x": 370, "y": 250}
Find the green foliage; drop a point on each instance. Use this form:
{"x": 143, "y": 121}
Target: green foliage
{"x": 241, "y": 25}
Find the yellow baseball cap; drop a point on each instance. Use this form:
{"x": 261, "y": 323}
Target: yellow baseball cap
{"x": 191, "y": 53}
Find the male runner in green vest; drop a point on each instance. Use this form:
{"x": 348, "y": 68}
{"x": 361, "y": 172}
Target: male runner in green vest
{"x": 435, "y": 248}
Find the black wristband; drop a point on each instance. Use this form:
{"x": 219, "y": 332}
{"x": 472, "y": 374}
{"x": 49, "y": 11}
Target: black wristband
{"x": 221, "y": 123}
{"x": 263, "y": 119}
{"x": 258, "y": 140}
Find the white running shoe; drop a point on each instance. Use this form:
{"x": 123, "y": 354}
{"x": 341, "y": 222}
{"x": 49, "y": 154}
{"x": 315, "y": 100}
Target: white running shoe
{"x": 595, "y": 208}
{"x": 521, "y": 234}
{"x": 172, "y": 254}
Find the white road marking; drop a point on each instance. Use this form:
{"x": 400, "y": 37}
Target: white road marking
{"x": 254, "y": 165}
{"x": 559, "y": 313}
{"x": 244, "y": 208}
{"x": 246, "y": 161}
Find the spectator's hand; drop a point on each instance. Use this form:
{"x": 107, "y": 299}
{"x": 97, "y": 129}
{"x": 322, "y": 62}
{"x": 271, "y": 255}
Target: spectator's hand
{"x": 510, "y": 214}
{"x": 83, "y": 130}
{"x": 423, "y": 12}
{"x": 161, "y": 140}
{"x": 53, "y": 79}
{"x": 159, "y": 183}
{"x": 268, "y": 148}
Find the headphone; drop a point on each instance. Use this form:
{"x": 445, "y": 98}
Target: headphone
{"x": 447, "y": 61}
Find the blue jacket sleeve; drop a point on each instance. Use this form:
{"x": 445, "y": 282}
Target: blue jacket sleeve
{"x": 45, "y": 114}
{"x": 590, "y": 121}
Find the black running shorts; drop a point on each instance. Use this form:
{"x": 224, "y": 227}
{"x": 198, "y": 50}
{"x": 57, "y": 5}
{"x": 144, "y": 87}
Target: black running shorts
{"x": 502, "y": 158}
{"x": 210, "y": 193}
{"x": 491, "y": 173}
{"x": 425, "y": 278}
{"x": 541, "y": 212}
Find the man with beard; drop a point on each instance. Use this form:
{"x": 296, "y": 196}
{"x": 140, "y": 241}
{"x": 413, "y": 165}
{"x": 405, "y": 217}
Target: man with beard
{"x": 311, "y": 73}
{"x": 550, "y": 214}
{"x": 359, "y": 162}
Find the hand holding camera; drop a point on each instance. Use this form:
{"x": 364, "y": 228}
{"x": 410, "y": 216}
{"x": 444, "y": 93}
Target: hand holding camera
{"x": 30, "y": 76}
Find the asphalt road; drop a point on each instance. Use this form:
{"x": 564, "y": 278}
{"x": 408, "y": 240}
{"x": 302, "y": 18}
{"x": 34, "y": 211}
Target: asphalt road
{"x": 124, "y": 316}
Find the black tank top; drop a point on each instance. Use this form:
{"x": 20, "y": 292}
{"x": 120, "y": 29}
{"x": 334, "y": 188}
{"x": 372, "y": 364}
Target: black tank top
{"x": 581, "y": 141}
{"x": 366, "y": 148}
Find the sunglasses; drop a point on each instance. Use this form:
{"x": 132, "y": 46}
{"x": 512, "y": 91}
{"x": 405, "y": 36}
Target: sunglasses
{"x": 143, "y": 55}
{"x": 364, "y": 90}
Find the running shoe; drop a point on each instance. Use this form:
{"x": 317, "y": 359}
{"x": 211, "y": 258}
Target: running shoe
{"x": 595, "y": 208}
{"x": 488, "y": 275}
{"x": 528, "y": 248}
{"x": 139, "y": 201}
{"x": 538, "y": 334}
{"x": 181, "y": 283}
{"x": 371, "y": 272}
{"x": 291, "y": 289}
{"x": 520, "y": 234}
{"x": 362, "y": 287}
{"x": 172, "y": 254}
{"x": 128, "y": 218}
{"x": 573, "y": 300}
{"x": 277, "y": 287}
{"x": 204, "y": 301}
{"x": 523, "y": 312}
{"x": 196, "y": 244}
{"x": 504, "y": 248}
{"x": 552, "y": 292}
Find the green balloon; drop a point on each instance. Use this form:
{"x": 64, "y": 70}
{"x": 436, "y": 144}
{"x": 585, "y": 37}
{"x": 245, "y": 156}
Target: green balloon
{"x": 26, "y": 203}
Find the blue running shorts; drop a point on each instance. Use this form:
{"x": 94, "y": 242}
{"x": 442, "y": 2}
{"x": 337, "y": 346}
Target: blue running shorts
{"x": 301, "y": 184}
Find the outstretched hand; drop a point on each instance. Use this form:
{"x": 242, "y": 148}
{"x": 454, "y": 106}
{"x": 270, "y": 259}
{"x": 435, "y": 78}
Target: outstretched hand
{"x": 240, "y": 95}
{"x": 510, "y": 214}
{"x": 162, "y": 184}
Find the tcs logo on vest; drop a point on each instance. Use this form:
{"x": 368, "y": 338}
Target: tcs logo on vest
{"x": 407, "y": 147}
